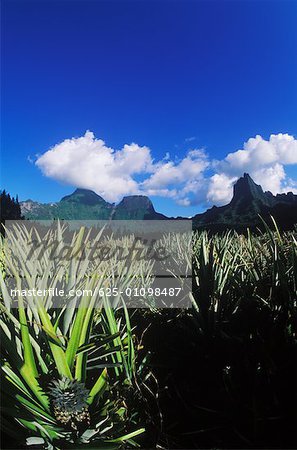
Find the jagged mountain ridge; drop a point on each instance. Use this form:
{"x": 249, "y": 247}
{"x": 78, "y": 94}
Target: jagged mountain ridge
{"x": 249, "y": 200}
{"x": 86, "y": 204}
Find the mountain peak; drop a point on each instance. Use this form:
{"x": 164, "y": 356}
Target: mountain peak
{"x": 135, "y": 202}
{"x": 136, "y": 207}
{"x": 248, "y": 202}
{"x": 245, "y": 188}
{"x": 84, "y": 196}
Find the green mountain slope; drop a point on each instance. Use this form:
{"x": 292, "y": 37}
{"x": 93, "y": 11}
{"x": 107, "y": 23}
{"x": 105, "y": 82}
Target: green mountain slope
{"x": 136, "y": 207}
{"x": 247, "y": 203}
{"x": 243, "y": 211}
{"x": 84, "y": 204}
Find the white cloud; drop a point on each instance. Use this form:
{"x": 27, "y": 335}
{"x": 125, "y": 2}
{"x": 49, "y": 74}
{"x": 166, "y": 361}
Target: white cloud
{"x": 264, "y": 160}
{"x": 175, "y": 174}
{"x": 220, "y": 189}
{"x": 89, "y": 163}
{"x": 280, "y": 148}
{"x": 270, "y": 178}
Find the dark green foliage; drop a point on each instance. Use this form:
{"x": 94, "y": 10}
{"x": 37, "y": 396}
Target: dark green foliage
{"x": 227, "y": 367}
{"x": 9, "y": 207}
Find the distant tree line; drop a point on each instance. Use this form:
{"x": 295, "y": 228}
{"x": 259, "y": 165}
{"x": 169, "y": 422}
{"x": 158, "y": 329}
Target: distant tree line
{"x": 9, "y": 207}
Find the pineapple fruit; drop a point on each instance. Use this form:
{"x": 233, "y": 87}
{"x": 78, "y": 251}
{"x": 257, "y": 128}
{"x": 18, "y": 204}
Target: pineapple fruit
{"x": 69, "y": 402}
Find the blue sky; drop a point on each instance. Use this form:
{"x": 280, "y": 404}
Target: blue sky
{"x": 170, "y": 76}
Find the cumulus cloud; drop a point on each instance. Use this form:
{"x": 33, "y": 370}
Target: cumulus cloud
{"x": 89, "y": 163}
{"x": 220, "y": 188}
{"x": 188, "y": 170}
{"x": 264, "y": 160}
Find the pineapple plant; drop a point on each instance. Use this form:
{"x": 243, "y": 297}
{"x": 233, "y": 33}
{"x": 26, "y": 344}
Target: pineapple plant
{"x": 87, "y": 351}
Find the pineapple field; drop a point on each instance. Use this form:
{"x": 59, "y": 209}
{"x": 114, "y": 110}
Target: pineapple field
{"x": 217, "y": 373}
